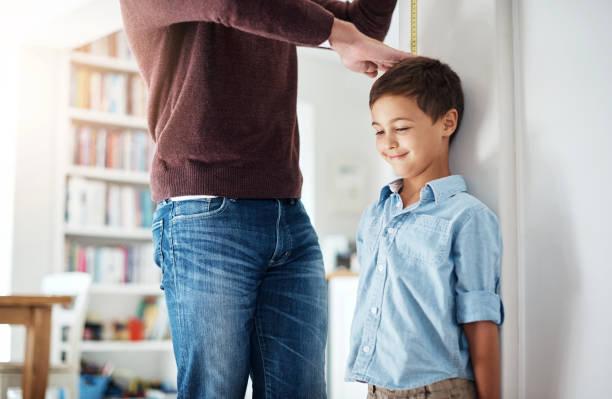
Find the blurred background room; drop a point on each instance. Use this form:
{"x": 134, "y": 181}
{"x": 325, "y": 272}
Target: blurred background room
{"x": 533, "y": 146}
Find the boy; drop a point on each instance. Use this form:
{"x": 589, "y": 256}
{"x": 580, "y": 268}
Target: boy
{"x": 428, "y": 309}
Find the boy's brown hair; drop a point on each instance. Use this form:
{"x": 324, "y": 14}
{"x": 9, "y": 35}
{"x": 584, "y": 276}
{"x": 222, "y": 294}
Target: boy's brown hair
{"x": 435, "y": 87}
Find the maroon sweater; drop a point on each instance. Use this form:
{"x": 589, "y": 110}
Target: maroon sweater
{"x": 221, "y": 77}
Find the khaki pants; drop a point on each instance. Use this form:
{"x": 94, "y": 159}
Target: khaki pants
{"x": 452, "y": 388}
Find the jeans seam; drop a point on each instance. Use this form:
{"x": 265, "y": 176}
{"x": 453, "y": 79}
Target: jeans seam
{"x": 290, "y": 243}
{"x": 263, "y": 363}
{"x": 159, "y": 242}
{"x": 176, "y": 291}
{"x": 278, "y": 218}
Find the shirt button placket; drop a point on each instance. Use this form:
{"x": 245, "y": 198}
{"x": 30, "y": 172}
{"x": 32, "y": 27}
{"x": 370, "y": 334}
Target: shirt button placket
{"x": 379, "y": 283}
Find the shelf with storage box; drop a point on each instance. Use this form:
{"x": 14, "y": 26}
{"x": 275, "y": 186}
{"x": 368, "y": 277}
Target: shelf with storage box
{"x": 105, "y": 208}
{"x": 130, "y": 346}
{"x": 126, "y": 289}
{"x": 111, "y": 175}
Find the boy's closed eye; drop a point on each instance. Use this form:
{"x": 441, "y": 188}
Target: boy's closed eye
{"x": 399, "y": 129}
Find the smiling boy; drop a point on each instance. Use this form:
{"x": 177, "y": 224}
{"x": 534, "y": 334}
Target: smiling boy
{"x": 428, "y": 308}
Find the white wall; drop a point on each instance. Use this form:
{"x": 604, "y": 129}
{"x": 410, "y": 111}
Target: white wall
{"x": 475, "y": 39}
{"x": 564, "y": 61}
{"x": 33, "y": 215}
{"x": 35, "y": 174}
{"x": 339, "y": 101}
{"x": 9, "y": 73}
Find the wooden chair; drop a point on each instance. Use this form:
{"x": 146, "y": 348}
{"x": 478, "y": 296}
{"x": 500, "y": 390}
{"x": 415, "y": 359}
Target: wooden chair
{"x": 65, "y": 356}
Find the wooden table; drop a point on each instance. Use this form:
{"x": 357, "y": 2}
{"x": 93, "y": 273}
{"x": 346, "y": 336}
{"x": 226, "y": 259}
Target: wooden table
{"x": 35, "y": 313}
{"x": 341, "y": 273}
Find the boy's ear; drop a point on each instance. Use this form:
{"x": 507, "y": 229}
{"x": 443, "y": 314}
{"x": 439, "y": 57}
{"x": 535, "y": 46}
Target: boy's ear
{"x": 449, "y": 122}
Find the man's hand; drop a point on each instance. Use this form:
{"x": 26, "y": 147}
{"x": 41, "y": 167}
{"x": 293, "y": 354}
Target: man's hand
{"x": 360, "y": 53}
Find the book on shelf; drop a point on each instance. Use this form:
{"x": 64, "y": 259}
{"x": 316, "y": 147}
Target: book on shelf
{"x": 114, "y": 264}
{"x": 120, "y": 93}
{"x": 114, "y": 45}
{"x": 92, "y": 203}
{"x": 154, "y": 313}
{"x": 110, "y": 148}
{"x": 137, "y": 96}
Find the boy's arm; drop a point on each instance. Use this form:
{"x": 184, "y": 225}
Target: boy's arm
{"x": 371, "y": 17}
{"x": 483, "y": 339}
{"x": 477, "y": 251}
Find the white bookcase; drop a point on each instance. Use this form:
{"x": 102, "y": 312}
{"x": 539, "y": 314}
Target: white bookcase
{"x": 109, "y": 300}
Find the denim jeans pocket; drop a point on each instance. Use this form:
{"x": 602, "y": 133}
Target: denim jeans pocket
{"x": 199, "y": 208}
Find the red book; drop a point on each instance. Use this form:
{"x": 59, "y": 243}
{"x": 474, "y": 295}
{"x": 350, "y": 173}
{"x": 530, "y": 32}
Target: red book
{"x": 81, "y": 263}
{"x": 111, "y": 149}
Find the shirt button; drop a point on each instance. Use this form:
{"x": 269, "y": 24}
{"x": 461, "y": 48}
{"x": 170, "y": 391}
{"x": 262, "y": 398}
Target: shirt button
{"x": 373, "y": 310}
{"x": 390, "y": 230}
{"x": 380, "y": 268}
{"x": 366, "y": 349}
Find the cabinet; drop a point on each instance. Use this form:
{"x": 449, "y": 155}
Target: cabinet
{"x": 342, "y": 296}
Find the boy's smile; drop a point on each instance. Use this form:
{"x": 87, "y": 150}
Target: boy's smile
{"x": 409, "y": 141}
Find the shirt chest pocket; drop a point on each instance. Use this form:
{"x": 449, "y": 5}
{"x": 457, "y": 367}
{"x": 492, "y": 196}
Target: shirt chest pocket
{"x": 423, "y": 240}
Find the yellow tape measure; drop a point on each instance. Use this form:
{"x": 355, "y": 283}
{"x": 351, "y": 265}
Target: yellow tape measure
{"x": 413, "y": 26}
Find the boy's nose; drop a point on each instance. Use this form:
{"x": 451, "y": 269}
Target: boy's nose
{"x": 391, "y": 144}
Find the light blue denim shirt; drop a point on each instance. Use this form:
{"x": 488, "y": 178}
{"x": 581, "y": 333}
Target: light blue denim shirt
{"x": 424, "y": 270}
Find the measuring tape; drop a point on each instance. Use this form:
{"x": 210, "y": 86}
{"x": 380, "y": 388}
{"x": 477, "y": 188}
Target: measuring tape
{"x": 413, "y": 26}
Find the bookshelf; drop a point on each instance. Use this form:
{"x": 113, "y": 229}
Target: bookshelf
{"x": 104, "y": 210}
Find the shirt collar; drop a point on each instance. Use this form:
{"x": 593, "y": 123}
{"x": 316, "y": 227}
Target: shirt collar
{"x": 438, "y": 190}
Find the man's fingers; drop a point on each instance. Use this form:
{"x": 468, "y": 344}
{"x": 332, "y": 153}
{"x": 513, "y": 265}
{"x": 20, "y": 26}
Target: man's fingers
{"x": 371, "y": 69}
{"x": 398, "y": 55}
{"x": 384, "y": 67}
{"x": 389, "y": 62}
{"x": 370, "y": 66}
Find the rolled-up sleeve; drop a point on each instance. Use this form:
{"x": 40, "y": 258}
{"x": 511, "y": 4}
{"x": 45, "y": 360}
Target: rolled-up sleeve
{"x": 477, "y": 250}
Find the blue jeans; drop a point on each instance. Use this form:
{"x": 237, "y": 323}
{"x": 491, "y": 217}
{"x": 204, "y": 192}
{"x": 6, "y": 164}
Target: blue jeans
{"x": 245, "y": 287}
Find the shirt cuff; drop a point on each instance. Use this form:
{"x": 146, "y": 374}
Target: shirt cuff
{"x": 479, "y": 306}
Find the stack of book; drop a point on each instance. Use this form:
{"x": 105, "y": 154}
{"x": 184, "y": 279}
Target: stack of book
{"x": 114, "y": 45}
{"x": 115, "y": 93}
{"x": 97, "y": 203}
{"x": 154, "y": 314}
{"x": 112, "y": 148}
{"x": 114, "y": 264}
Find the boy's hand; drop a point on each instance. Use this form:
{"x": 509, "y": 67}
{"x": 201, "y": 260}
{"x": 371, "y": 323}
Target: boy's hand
{"x": 360, "y": 53}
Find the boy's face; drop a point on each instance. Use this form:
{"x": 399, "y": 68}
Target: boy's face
{"x": 407, "y": 138}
